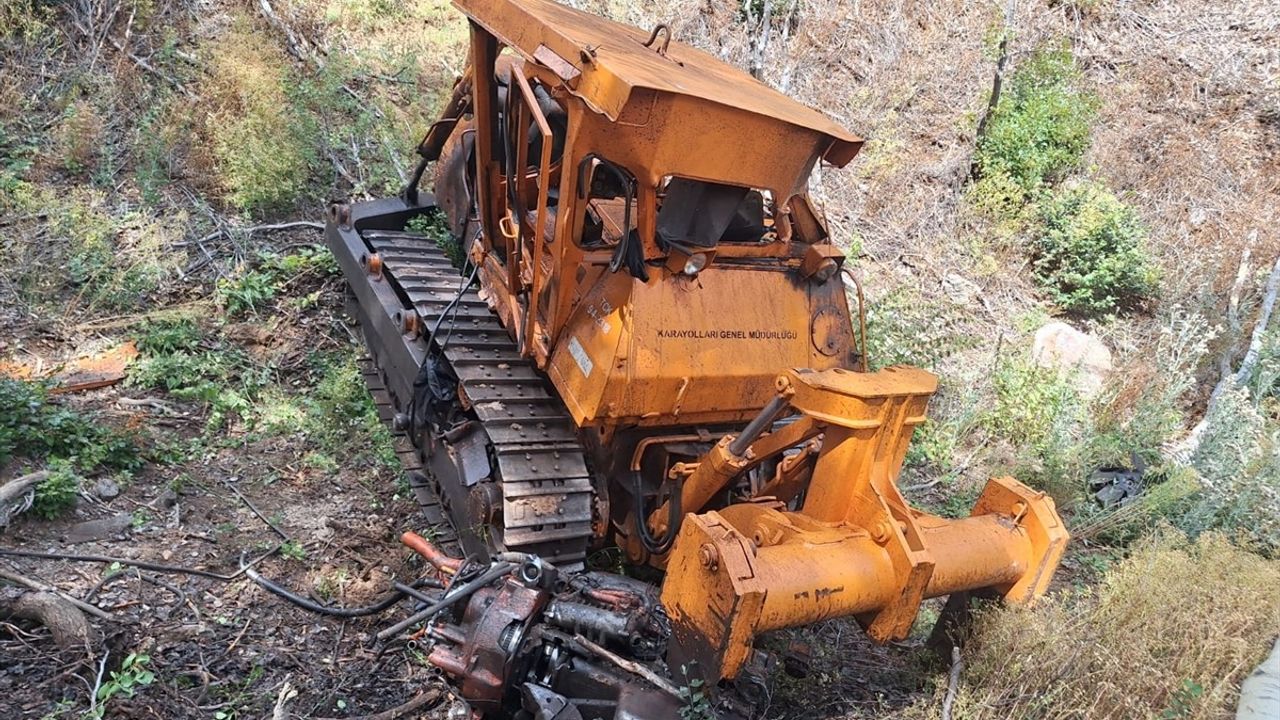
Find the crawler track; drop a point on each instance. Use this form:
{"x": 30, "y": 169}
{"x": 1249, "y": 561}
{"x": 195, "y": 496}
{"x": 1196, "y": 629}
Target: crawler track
{"x": 535, "y": 495}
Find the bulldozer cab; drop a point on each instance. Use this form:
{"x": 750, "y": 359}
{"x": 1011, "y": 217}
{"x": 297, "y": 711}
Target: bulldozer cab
{"x": 598, "y": 149}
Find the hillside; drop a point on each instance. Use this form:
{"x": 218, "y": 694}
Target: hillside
{"x": 162, "y": 165}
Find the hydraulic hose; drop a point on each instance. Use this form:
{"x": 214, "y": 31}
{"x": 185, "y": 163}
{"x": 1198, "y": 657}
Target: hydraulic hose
{"x": 674, "y": 517}
{"x": 307, "y": 604}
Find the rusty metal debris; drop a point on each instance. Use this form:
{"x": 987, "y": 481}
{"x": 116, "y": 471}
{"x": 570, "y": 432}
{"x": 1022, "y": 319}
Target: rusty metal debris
{"x": 87, "y": 373}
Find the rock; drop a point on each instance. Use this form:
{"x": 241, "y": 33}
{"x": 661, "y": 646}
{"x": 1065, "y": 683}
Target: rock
{"x": 1060, "y": 346}
{"x": 97, "y": 529}
{"x": 961, "y": 290}
{"x": 106, "y": 488}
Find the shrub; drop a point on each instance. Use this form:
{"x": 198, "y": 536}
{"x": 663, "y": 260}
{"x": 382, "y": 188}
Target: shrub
{"x": 36, "y": 429}
{"x": 1039, "y": 412}
{"x": 1040, "y": 127}
{"x": 79, "y": 137}
{"x": 905, "y": 328}
{"x": 160, "y": 337}
{"x": 57, "y": 494}
{"x": 1174, "y": 627}
{"x": 1142, "y": 409}
{"x": 1090, "y": 254}
{"x": 246, "y": 292}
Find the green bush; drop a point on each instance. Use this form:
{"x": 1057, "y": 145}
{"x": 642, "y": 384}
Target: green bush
{"x": 37, "y": 430}
{"x": 57, "y": 494}
{"x": 1090, "y": 252}
{"x": 906, "y": 328}
{"x": 1040, "y": 127}
{"x": 160, "y": 337}
{"x": 33, "y": 427}
{"x": 265, "y": 146}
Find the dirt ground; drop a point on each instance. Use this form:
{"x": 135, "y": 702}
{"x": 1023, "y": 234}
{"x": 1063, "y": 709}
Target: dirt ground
{"x": 218, "y": 648}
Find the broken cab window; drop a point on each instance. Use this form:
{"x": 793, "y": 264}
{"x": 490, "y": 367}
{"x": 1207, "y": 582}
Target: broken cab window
{"x": 701, "y": 214}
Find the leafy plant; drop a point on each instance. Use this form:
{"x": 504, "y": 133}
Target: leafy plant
{"x": 1090, "y": 252}
{"x": 905, "y": 328}
{"x": 1039, "y": 412}
{"x": 38, "y": 428}
{"x": 293, "y": 550}
{"x": 697, "y": 706}
{"x": 132, "y": 676}
{"x": 169, "y": 336}
{"x": 435, "y": 225}
{"x": 1040, "y": 127}
{"x": 246, "y": 293}
{"x": 57, "y": 493}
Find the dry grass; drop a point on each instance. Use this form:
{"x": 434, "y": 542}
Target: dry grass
{"x": 1169, "y": 633}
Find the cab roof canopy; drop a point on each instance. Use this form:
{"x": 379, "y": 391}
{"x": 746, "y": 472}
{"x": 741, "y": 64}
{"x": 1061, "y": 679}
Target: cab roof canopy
{"x": 602, "y": 61}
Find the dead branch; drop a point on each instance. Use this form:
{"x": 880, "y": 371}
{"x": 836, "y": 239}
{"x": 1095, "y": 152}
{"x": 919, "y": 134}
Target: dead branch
{"x": 159, "y": 405}
{"x": 227, "y": 231}
{"x": 299, "y": 46}
{"x": 142, "y": 63}
{"x": 629, "y": 666}
{"x": 953, "y": 682}
{"x": 155, "y": 567}
{"x": 1182, "y": 451}
{"x": 287, "y": 693}
{"x": 15, "y": 489}
{"x": 65, "y": 622}
{"x": 1260, "y": 328}
{"x": 41, "y": 587}
{"x": 424, "y": 699}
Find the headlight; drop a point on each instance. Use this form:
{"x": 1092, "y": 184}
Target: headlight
{"x": 695, "y": 263}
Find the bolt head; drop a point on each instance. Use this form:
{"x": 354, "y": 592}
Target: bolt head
{"x": 709, "y": 556}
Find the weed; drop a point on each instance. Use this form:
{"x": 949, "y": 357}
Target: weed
{"x": 223, "y": 377}
{"x": 697, "y": 706}
{"x": 132, "y": 676}
{"x": 265, "y": 148}
{"x": 79, "y": 137}
{"x": 329, "y": 585}
{"x": 435, "y": 226}
{"x": 1039, "y": 130}
{"x": 1040, "y": 413}
{"x": 158, "y": 337}
{"x": 1090, "y": 252}
{"x": 38, "y": 428}
{"x": 1239, "y": 464}
{"x": 139, "y": 519}
{"x": 905, "y": 328}
{"x": 245, "y": 293}
{"x": 293, "y": 550}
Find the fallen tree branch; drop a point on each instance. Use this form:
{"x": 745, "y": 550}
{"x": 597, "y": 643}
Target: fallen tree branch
{"x": 15, "y": 489}
{"x": 155, "y": 567}
{"x": 65, "y": 622}
{"x": 226, "y": 232}
{"x": 1182, "y": 451}
{"x": 1260, "y": 328}
{"x": 422, "y": 700}
{"x": 93, "y": 610}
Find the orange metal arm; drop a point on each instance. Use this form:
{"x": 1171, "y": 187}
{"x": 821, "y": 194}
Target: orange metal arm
{"x": 856, "y": 547}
